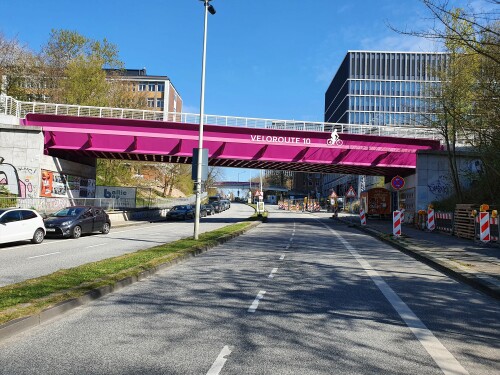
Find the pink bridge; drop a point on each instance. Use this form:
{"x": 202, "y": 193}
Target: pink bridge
{"x": 307, "y": 151}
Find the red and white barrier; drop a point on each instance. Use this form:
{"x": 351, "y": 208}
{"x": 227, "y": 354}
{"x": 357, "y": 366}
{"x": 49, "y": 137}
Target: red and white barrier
{"x": 402, "y": 215}
{"x": 484, "y": 227}
{"x": 362, "y": 217}
{"x": 431, "y": 223}
{"x": 494, "y": 222}
{"x": 444, "y": 226}
{"x": 396, "y": 223}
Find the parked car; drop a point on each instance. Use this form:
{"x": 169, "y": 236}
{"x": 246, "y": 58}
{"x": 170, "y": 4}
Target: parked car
{"x": 19, "y": 224}
{"x": 217, "y": 205}
{"x": 226, "y": 203}
{"x": 181, "y": 212}
{"x": 77, "y": 220}
{"x": 209, "y": 209}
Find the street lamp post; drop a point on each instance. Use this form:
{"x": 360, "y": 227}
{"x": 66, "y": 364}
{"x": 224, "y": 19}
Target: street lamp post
{"x": 211, "y": 9}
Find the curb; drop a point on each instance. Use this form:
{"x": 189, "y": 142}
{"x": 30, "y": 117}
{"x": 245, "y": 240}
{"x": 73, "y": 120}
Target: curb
{"x": 20, "y": 325}
{"x": 477, "y": 281}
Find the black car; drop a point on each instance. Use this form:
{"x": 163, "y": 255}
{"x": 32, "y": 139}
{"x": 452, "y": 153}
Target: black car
{"x": 210, "y": 210}
{"x": 77, "y": 220}
{"x": 181, "y": 212}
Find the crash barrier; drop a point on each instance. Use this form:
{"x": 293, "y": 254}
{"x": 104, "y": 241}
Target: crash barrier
{"x": 487, "y": 228}
{"x": 396, "y": 223}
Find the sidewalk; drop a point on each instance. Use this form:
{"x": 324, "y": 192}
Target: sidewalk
{"x": 471, "y": 262}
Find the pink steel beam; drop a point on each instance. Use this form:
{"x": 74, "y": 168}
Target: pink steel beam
{"x": 170, "y": 141}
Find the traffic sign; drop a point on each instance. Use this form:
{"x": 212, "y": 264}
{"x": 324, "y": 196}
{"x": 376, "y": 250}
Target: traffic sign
{"x": 333, "y": 195}
{"x": 351, "y": 193}
{"x": 397, "y": 182}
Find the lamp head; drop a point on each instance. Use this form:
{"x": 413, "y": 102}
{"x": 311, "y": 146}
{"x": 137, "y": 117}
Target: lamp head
{"x": 211, "y": 9}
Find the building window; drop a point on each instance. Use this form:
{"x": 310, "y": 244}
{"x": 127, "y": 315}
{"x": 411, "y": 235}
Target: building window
{"x": 151, "y": 102}
{"x": 152, "y": 87}
{"x": 161, "y": 87}
{"x": 142, "y": 86}
{"x": 159, "y": 103}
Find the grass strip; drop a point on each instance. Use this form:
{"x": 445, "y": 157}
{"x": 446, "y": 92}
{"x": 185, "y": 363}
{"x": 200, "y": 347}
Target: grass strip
{"x": 32, "y": 296}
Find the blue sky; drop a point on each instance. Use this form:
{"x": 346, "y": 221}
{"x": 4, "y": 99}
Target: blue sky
{"x": 266, "y": 58}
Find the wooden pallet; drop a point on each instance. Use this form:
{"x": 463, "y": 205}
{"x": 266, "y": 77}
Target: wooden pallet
{"x": 463, "y": 225}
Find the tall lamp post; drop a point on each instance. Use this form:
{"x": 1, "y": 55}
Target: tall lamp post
{"x": 211, "y": 9}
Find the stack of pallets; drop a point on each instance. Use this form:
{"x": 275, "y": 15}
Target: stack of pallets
{"x": 463, "y": 225}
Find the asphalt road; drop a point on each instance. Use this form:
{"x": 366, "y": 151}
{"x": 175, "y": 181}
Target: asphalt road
{"x": 21, "y": 261}
{"x": 300, "y": 294}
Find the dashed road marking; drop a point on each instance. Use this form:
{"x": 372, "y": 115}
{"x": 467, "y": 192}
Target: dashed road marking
{"x": 255, "y": 303}
{"x": 282, "y": 256}
{"x": 44, "y": 255}
{"x": 271, "y": 275}
{"x": 220, "y": 361}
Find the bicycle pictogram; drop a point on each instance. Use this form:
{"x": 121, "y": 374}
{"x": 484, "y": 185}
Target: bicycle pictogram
{"x": 335, "y": 139}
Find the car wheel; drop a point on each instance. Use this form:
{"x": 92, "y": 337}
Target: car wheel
{"x": 38, "y": 236}
{"x": 105, "y": 228}
{"x": 77, "y": 232}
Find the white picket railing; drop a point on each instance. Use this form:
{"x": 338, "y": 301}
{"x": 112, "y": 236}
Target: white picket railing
{"x": 19, "y": 109}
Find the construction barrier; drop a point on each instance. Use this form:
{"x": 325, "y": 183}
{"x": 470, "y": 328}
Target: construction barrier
{"x": 396, "y": 223}
{"x": 484, "y": 227}
{"x": 444, "y": 221}
{"x": 484, "y": 231}
{"x": 362, "y": 217}
{"x": 431, "y": 224}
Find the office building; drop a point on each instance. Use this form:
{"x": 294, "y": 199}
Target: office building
{"x": 382, "y": 88}
{"x": 379, "y": 88}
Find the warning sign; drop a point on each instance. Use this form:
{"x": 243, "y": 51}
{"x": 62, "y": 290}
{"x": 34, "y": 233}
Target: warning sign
{"x": 333, "y": 195}
{"x": 351, "y": 193}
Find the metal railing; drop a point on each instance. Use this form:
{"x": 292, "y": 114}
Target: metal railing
{"x": 48, "y": 205}
{"x": 19, "y": 109}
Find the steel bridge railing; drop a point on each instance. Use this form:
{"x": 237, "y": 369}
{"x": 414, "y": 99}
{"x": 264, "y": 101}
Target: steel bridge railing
{"x": 19, "y": 109}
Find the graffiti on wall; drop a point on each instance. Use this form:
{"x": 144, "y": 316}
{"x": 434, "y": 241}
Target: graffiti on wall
{"x": 56, "y": 184}
{"x": 441, "y": 187}
{"x": 19, "y": 181}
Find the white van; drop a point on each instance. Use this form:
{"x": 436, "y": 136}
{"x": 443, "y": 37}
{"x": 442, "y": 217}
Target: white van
{"x": 19, "y": 224}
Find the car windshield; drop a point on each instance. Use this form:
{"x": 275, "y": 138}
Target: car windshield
{"x": 69, "y": 211}
{"x": 178, "y": 208}
{"x": 2, "y": 211}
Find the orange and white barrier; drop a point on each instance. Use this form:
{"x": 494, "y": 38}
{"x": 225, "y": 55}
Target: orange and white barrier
{"x": 396, "y": 223}
{"x": 484, "y": 227}
{"x": 362, "y": 217}
{"x": 431, "y": 223}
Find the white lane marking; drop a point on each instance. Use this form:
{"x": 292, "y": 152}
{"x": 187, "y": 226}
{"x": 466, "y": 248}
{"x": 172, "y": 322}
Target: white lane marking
{"x": 291, "y": 239}
{"x": 443, "y": 358}
{"x": 11, "y": 248}
{"x": 101, "y": 244}
{"x": 44, "y": 255}
{"x": 220, "y": 361}
{"x": 282, "y": 257}
{"x": 271, "y": 275}
{"x": 287, "y": 247}
{"x": 293, "y": 233}
{"x": 255, "y": 303}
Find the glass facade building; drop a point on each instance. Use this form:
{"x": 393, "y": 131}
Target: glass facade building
{"x": 382, "y": 88}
